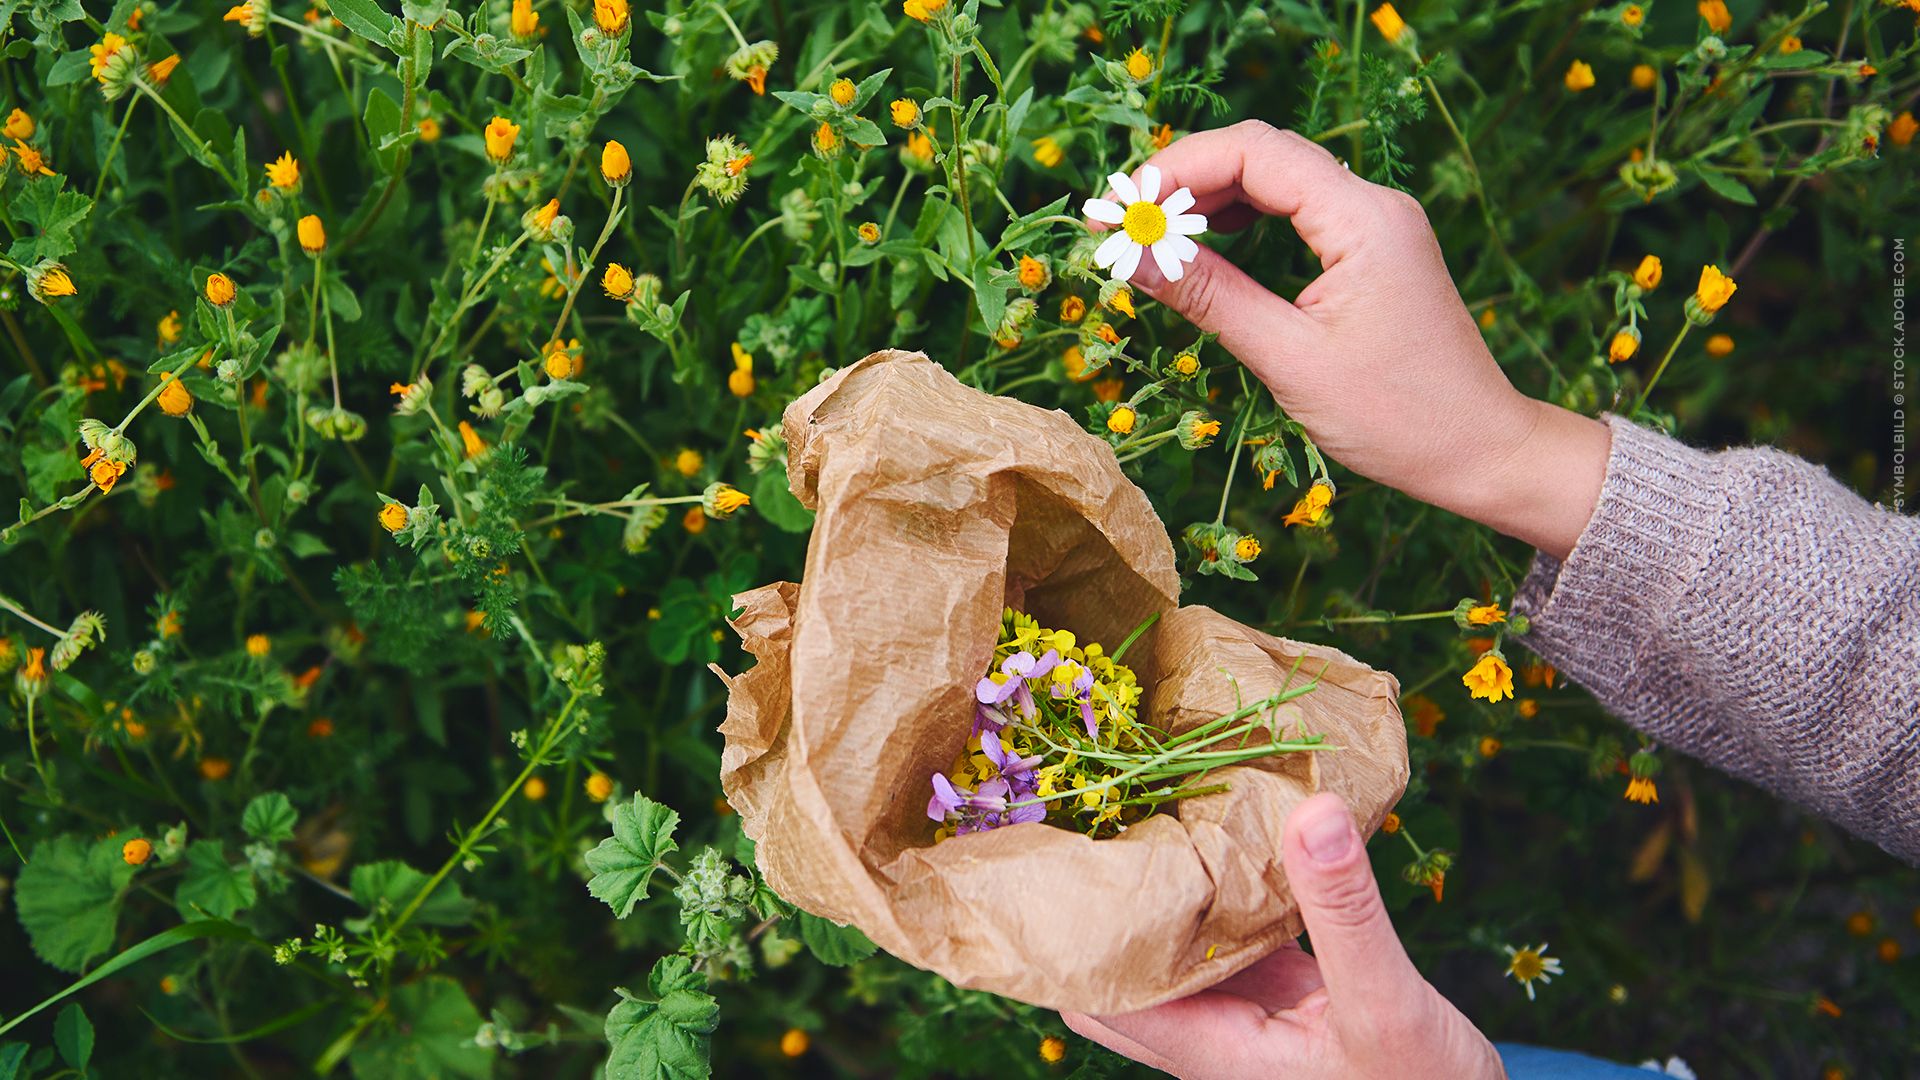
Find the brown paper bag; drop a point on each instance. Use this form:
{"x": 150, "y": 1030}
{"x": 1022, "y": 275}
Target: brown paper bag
{"x": 937, "y": 506}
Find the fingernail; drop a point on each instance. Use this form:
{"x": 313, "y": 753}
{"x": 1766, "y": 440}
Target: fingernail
{"x": 1329, "y": 836}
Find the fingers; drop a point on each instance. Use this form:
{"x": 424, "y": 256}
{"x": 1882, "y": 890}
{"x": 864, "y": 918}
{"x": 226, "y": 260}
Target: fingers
{"x": 1360, "y": 956}
{"x": 1088, "y": 1028}
{"x": 1219, "y": 297}
{"x": 1212, "y": 1033}
{"x": 1277, "y": 981}
{"x": 1275, "y": 172}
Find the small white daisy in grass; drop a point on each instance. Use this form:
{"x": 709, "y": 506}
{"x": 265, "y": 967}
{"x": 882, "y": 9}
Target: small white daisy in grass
{"x": 1530, "y": 964}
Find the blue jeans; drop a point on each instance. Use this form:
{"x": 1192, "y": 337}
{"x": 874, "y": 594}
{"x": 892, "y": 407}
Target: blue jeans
{"x": 1540, "y": 1063}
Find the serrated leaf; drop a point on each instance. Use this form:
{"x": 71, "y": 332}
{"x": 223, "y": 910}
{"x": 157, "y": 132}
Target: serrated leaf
{"x": 393, "y": 884}
{"x": 430, "y": 1036}
{"x": 667, "y": 1037}
{"x": 69, "y": 895}
{"x": 269, "y": 817}
{"x": 833, "y": 944}
{"x": 624, "y": 863}
{"x": 73, "y": 1036}
{"x": 213, "y": 886}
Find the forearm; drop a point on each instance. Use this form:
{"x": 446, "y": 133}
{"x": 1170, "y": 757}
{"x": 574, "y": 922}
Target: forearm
{"x": 1745, "y": 608}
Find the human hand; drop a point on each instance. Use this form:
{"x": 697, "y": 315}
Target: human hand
{"x": 1378, "y": 357}
{"x": 1355, "y": 1008}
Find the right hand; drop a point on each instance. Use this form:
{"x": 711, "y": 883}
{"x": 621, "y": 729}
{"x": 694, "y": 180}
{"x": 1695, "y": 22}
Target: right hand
{"x": 1378, "y": 357}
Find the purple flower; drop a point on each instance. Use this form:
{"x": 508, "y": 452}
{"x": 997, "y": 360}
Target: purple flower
{"x": 978, "y": 811}
{"x": 1017, "y": 668}
{"x": 1016, "y": 770}
{"x": 1082, "y": 692}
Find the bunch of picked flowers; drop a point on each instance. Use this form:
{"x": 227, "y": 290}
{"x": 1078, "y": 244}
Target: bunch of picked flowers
{"x": 1057, "y": 737}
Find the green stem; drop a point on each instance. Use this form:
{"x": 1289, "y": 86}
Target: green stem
{"x": 1685, "y": 328}
{"x": 113, "y": 149}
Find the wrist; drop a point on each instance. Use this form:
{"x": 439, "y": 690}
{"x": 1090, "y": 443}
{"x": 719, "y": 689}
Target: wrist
{"x": 1539, "y": 484}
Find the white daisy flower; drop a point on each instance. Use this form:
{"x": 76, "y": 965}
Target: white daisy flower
{"x": 1528, "y": 965}
{"x": 1146, "y": 224}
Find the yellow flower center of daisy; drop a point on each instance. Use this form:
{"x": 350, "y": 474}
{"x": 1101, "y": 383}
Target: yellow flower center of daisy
{"x": 1145, "y": 223}
{"x": 1527, "y": 965}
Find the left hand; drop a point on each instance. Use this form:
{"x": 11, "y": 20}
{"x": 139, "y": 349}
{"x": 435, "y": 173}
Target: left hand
{"x": 1356, "y": 1008}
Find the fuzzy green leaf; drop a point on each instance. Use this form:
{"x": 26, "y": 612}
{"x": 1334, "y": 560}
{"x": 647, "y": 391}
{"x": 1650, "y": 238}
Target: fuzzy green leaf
{"x": 624, "y": 863}
{"x": 212, "y": 885}
{"x": 668, "y": 1036}
{"x": 393, "y": 885}
{"x": 69, "y": 898}
{"x": 430, "y": 1036}
{"x": 73, "y": 1036}
{"x": 833, "y": 944}
{"x": 269, "y": 817}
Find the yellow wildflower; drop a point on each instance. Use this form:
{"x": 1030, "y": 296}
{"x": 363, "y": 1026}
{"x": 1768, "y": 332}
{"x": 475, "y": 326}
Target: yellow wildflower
{"x": 429, "y": 128}
{"x": 215, "y": 768}
{"x": 524, "y": 21}
{"x": 284, "y": 172}
{"x": 561, "y": 359}
{"x": 1714, "y": 290}
{"x": 1624, "y": 345}
{"x": 905, "y": 112}
{"x": 1791, "y": 44}
{"x": 110, "y": 44}
{"x": 471, "y": 444}
{"x": 617, "y": 281}
{"x": 220, "y": 290}
{"x": 174, "y": 399}
{"x": 1388, "y": 21}
{"x": 50, "y": 283}
{"x": 1047, "y": 151}
{"x": 313, "y": 235}
{"x": 740, "y": 379}
{"x": 841, "y": 92}
{"x": 1139, "y": 65}
{"x": 611, "y": 16}
{"x": 534, "y": 789}
{"x": 1641, "y": 789}
{"x": 1720, "y": 346}
{"x": 688, "y": 462}
{"x": 1490, "y": 679}
{"x": 32, "y": 161}
{"x": 794, "y": 1043}
{"x": 1715, "y": 12}
{"x": 826, "y": 140}
{"x": 1246, "y": 549}
{"x": 1312, "y": 506}
{"x": 393, "y": 517}
{"x": 1647, "y": 274}
{"x": 616, "y": 168}
{"x": 19, "y": 126}
{"x": 1903, "y": 128}
{"x": 1052, "y": 1049}
{"x": 1033, "y": 273}
{"x": 721, "y": 500}
{"x": 168, "y": 328}
{"x": 869, "y": 232}
{"x": 1643, "y": 76}
{"x": 1163, "y": 136}
{"x": 1579, "y": 76}
{"x": 136, "y": 851}
{"x": 259, "y": 645}
{"x": 599, "y": 787}
{"x": 501, "y": 133}
{"x": 1486, "y": 615}
{"x": 1633, "y": 15}
{"x": 1122, "y": 302}
{"x": 1072, "y": 309}
{"x": 1121, "y": 420}
{"x": 922, "y": 10}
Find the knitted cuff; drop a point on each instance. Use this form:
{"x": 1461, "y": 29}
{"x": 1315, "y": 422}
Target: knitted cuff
{"x": 1660, "y": 509}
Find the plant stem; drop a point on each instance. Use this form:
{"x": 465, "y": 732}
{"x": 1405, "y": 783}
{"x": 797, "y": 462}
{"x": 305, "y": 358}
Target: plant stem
{"x": 1685, "y": 328}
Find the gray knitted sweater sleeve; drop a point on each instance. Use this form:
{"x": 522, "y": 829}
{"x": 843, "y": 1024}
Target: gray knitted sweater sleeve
{"x": 1745, "y": 608}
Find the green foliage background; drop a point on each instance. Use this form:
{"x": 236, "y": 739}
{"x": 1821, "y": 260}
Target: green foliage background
{"x": 545, "y": 616}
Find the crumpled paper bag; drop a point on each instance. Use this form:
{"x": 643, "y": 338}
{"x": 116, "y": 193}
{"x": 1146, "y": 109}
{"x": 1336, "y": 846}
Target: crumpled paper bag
{"x": 937, "y": 506}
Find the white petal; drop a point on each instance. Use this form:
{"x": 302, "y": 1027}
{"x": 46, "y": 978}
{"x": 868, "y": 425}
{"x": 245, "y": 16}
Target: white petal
{"x": 1183, "y": 249}
{"x": 1129, "y": 262}
{"x": 1179, "y": 202}
{"x": 1187, "y": 224}
{"x": 1104, "y": 210}
{"x": 1123, "y": 188}
{"x": 1150, "y": 182}
{"x": 1164, "y": 258}
{"x": 1111, "y": 248}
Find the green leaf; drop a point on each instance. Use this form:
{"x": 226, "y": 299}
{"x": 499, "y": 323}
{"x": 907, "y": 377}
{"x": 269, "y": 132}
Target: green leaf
{"x": 69, "y": 898}
{"x": 12, "y": 1055}
{"x": 668, "y": 1036}
{"x": 624, "y": 862}
{"x": 392, "y": 885}
{"x": 73, "y": 1036}
{"x": 158, "y": 943}
{"x": 383, "y": 122}
{"x": 213, "y": 886}
{"x": 833, "y": 944}
{"x": 775, "y": 503}
{"x": 269, "y": 817}
{"x": 365, "y": 18}
{"x": 70, "y": 68}
{"x": 430, "y": 1036}
{"x": 1727, "y": 187}
{"x": 54, "y": 213}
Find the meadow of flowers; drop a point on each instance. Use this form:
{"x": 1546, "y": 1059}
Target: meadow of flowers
{"x": 391, "y": 395}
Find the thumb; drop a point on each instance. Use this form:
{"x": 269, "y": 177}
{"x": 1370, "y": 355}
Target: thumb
{"x": 1220, "y": 298}
{"x": 1360, "y": 956}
